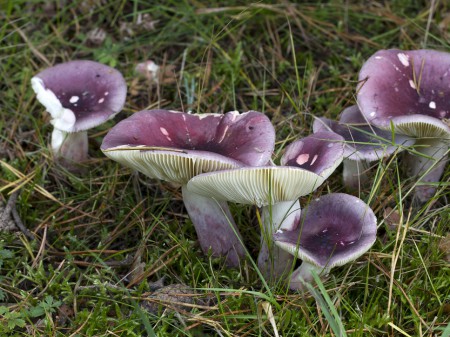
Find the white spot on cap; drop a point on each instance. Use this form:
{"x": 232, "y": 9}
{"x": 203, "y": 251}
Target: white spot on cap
{"x": 314, "y": 159}
{"x": 432, "y": 105}
{"x": 224, "y": 133}
{"x": 303, "y": 158}
{"x": 107, "y": 93}
{"x": 101, "y": 100}
{"x": 411, "y": 83}
{"x": 279, "y": 231}
{"x": 164, "y": 131}
{"x": 404, "y": 59}
{"x": 373, "y": 114}
{"x": 74, "y": 99}
{"x": 330, "y": 145}
{"x": 378, "y": 57}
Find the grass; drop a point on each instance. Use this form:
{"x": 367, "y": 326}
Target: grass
{"x": 99, "y": 241}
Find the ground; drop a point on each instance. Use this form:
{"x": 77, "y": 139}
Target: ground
{"x": 98, "y": 244}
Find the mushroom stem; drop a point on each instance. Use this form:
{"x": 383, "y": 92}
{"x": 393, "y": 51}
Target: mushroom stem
{"x": 355, "y": 173}
{"x": 70, "y": 147}
{"x": 303, "y": 274}
{"x": 429, "y": 166}
{"x": 215, "y": 227}
{"x": 273, "y": 261}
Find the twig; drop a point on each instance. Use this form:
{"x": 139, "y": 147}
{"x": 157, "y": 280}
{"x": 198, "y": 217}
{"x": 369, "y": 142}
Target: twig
{"x": 10, "y": 205}
{"x": 11, "y": 210}
{"x": 20, "y": 225}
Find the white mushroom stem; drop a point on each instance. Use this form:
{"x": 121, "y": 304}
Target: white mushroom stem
{"x": 303, "y": 274}
{"x": 71, "y": 147}
{"x": 355, "y": 173}
{"x": 273, "y": 261}
{"x": 215, "y": 226}
{"x": 429, "y": 165}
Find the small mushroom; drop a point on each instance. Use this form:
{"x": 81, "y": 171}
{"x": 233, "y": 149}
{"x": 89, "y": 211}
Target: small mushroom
{"x": 409, "y": 90}
{"x": 306, "y": 164}
{"x": 78, "y": 95}
{"x": 334, "y": 229}
{"x": 175, "y": 147}
{"x": 363, "y": 144}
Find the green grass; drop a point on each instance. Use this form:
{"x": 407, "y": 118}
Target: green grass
{"x": 103, "y": 237}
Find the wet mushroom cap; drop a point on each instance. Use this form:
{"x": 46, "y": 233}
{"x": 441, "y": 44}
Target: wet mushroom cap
{"x": 308, "y": 162}
{"x": 334, "y": 229}
{"x": 92, "y": 91}
{"x": 176, "y": 146}
{"x": 409, "y": 88}
{"x": 362, "y": 141}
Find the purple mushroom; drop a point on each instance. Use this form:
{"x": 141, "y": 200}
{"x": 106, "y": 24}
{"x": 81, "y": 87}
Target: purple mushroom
{"x": 363, "y": 144}
{"x": 307, "y": 163}
{"x": 409, "y": 90}
{"x": 175, "y": 147}
{"x": 334, "y": 229}
{"x": 78, "y": 95}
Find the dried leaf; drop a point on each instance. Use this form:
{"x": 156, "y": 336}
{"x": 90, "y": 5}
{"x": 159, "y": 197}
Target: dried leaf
{"x": 155, "y": 73}
{"x": 267, "y": 308}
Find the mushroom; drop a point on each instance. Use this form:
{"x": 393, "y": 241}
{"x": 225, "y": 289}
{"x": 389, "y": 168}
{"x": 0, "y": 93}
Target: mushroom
{"x": 363, "y": 144}
{"x": 175, "y": 147}
{"x": 409, "y": 91}
{"x": 306, "y": 164}
{"x": 78, "y": 95}
{"x": 334, "y": 229}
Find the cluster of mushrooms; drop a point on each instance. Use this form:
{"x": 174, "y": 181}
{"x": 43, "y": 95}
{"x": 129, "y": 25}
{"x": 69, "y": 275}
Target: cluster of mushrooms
{"x": 402, "y": 100}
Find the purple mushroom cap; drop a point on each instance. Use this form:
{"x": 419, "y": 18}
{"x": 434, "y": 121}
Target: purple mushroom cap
{"x": 409, "y": 89}
{"x": 320, "y": 153}
{"x": 80, "y": 95}
{"x": 334, "y": 229}
{"x": 362, "y": 141}
{"x": 176, "y": 146}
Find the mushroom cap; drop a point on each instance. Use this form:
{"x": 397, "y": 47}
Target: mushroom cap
{"x": 258, "y": 186}
{"x": 362, "y": 141}
{"x": 333, "y": 230}
{"x": 409, "y": 89}
{"x": 176, "y": 146}
{"x": 309, "y": 161}
{"x": 320, "y": 153}
{"x": 80, "y": 95}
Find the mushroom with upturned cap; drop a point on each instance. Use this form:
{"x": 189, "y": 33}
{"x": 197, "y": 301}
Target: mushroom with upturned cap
{"x": 78, "y": 95}
{"x": 409, "y": 90}
{"x": 306, "y": 164}
{"x": 175, "y": 147}
{"x": 364, "y": 143}
{"x": 334, "y": 229}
